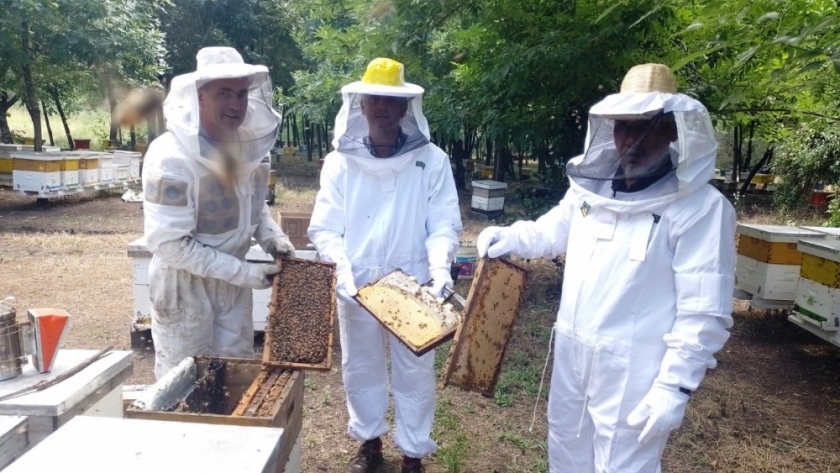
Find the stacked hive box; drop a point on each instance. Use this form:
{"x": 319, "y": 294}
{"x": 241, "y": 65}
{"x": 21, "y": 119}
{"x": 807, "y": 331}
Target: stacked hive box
{"x": 126, "y": 165}
{"x": 70, "y": 172}
{"x": 818, "y": 289}
{"x": 488, "y": 199}
{"x": 6, "y": 166}
{"x": 36, "y": 172}
{"x": 768, "y": 261}
{"x": 106, "y": 168}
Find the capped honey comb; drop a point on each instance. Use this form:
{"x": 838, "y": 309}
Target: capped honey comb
{"x": 412, "y": 314}
{"x": 301, "y": 316}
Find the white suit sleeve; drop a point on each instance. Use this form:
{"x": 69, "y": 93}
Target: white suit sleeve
{"x": 326, "y": 227}
{"x": 704, "y": 266}
{"x": 267, "y": 228}
{"x": 548, "y": 236}
{"x": 170, "y": 223}
{"x": 443, "y": 222}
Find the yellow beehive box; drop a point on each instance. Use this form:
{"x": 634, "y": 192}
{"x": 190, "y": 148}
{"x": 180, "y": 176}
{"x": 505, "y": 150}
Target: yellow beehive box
{"x": 821, "y": 270}
{"x": 6, "y": 161}
{"x": 772, "y": 244}
{"x": 70, "y": 172}
{"x": 36, "y": 172}
{"x": 88, "y": 162}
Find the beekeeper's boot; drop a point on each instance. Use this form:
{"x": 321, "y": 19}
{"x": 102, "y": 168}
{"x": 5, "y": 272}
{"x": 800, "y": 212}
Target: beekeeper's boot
{"x": 367, "y": 459}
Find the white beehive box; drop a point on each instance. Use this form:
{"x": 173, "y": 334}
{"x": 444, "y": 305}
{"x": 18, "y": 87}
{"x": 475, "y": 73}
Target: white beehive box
{"x": 36, "y": 172}
{"x": 70, "y": 172}
{"x": 130, "y": 159}
{"x": 767, "y": 264}
{"x": 487, "y": 204}
{"x": 88, "y": 167}
{"x": 106, "y": 168}
{"x": 488, "y": 197}
{"x": 141, "y": 257}
{"x": 818, "y": 292}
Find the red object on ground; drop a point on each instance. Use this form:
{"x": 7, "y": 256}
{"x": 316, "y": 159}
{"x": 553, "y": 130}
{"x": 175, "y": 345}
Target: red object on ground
{"x": 81, "y": 144}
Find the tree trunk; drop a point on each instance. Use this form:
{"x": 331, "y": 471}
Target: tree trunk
{"x": 112, "y": 106}
{"x": 736, "y": 152}
{"x": 320, "y": 142}
{"x": 29, "y": 84}
{"x": 5, "y": 104}
{"x": 132, "y": 136}
{"x": 458, "y": 154}
{"x": 747, "y": 160}
{"x": 768, "y": 154}
{"x": 295, "y": 131}
{"x": 47, "y": 121}
{"x": 54, "y": 94}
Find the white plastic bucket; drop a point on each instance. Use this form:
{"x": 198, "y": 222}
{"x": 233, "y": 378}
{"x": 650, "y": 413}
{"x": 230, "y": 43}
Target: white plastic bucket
{"x": 467, "y": 257}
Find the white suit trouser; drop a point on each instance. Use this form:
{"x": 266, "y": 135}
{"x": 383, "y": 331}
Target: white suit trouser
{"x": 365, "y": 374}
{"x": 593, "y": 390}
{"x": 198, "y": 316}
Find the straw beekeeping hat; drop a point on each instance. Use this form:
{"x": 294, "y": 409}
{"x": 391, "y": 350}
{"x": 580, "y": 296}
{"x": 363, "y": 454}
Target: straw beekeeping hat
{"x": 384, "y": 77}
{"x": 646, "y": 78}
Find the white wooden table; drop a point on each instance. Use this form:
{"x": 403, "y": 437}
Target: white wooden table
{"x": 96, "y": 390}
{"x": 103, "y": 445}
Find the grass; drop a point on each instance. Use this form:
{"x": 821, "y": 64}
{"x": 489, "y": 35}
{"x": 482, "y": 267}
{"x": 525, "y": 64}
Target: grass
{"x": 93, "y": 125}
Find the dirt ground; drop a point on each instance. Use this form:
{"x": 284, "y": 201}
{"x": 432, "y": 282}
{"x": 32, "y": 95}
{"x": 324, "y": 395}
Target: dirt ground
{"x": 772, "y": 405}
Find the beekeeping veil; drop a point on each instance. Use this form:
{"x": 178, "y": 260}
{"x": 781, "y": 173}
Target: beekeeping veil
{"x": 383, "y": 77}
{"x": 646, "y": 132}
{"x": 257, "y": 134}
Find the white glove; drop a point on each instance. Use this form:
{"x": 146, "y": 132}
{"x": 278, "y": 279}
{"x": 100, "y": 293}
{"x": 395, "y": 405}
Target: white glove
{"x": 493, "y": 242}
{"x": 280, "y": 247}
{"x": 661, "y": 411}
{"x": 258, "y": 275}
{"x": 440, "y": 279}
{"x": 345, "y": 285}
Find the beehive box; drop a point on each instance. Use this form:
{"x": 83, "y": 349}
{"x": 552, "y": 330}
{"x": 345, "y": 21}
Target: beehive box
{"x": 70, "y": 172}
{"x": 88, "y": 167}
{"x": 106, "y": 168}
{"x": 475, "y": 358}
{"x": 768, "y": 261}
{"x": 295, "y": 226}
{"x": 412, "y": 314}
{"x": 818, "y": 291}
{"x": 6, "y": 161}
{"x": 122, "y": 163}
{"x": 221, "y": 398}
{"x": 301, "y": 317}
{"x": 36, "y": 172}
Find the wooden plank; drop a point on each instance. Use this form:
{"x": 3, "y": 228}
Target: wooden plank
{"x": 475, "y": 358}
{"x": 103, "y": 445}
{"x": 257, "y": 401}
{"x": 281, "y": 307}
{"x": 249, "y": 394}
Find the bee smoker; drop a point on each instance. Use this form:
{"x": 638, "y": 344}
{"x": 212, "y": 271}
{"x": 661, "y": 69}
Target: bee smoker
{"x": 40, "y": 337}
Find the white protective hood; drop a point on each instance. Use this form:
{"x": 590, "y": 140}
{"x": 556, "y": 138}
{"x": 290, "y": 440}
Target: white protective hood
{"x": 692, "y": 155}
{"x": 258, "y": 132}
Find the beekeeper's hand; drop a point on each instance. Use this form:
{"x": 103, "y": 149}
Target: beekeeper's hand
{"x": 441, "y": 279}
{"x": 494, "y": 242}
{"x": 661, "y": 411}
{"x": 280, "y": 247}
{"x": 257, "y": 275}
{"x": 345, "y": 284}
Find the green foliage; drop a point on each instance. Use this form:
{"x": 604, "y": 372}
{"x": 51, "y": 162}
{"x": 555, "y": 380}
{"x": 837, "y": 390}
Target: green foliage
{"x": 812, "y": 156}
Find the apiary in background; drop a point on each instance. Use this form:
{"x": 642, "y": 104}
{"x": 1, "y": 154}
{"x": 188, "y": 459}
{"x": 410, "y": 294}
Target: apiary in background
{"x": 413, "y": 315}
{"x": 301, "y": 317}
{"x": 475, "y": 357}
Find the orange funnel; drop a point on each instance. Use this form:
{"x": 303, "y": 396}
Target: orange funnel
{"x": 48, "y": 329}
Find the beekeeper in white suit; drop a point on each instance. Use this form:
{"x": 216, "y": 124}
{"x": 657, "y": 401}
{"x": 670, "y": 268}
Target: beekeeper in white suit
{"x": 647, "y": 287}
{"x": 387, "y": 201}
{"x": 205, "y": 185}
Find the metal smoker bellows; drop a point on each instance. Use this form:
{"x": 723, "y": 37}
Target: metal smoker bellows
{"x": 40, "y": 337}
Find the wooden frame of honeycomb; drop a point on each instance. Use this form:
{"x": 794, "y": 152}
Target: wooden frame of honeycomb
{"x": 301, "y": 316}
{"x": 413, "y": 315}
{"x": 475, "y": 357}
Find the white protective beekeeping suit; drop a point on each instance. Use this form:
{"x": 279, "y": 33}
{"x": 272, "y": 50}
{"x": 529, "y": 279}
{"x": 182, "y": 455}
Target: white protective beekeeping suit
{"x": 647, "y": 288}
{"x": 372, "y": 216}
{"x": 201, "y": 211}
